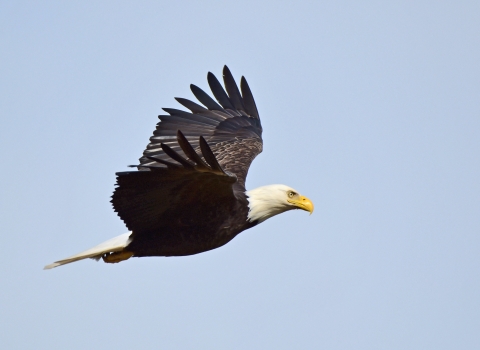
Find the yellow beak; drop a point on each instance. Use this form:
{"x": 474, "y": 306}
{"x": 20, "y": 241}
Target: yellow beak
{"x": 302, "y": 203}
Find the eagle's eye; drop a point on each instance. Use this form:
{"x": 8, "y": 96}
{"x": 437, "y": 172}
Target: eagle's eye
{"x": 291, "y": 194}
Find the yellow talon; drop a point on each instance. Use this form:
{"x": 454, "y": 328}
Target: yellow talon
{"x": 116, "y": 257}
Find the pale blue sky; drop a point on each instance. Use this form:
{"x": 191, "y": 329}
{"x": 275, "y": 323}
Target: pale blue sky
{"x": 369, "y": 108}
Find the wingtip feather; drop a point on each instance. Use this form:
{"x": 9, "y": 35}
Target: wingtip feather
{"x": 248, "y": 99}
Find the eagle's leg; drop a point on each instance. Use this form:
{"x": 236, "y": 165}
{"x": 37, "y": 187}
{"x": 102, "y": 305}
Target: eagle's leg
{"x": 116, "y": 257}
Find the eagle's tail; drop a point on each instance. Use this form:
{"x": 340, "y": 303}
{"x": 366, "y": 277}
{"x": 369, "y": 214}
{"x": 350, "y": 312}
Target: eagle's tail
{"x": 115, "y": 246}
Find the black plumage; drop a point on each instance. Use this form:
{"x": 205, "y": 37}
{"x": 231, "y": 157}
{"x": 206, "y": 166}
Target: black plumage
{"x": 188, "y": 195}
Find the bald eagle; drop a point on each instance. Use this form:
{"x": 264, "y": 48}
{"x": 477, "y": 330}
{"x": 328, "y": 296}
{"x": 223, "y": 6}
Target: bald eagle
{"x": 188, "y": 195}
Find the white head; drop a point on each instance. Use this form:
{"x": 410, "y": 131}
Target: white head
{"x": 267, "y": 201}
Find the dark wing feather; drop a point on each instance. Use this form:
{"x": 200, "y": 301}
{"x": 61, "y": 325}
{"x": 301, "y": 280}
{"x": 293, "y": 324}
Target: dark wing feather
{"x": 189, "y": 151}
{"x": 231, "y": 128}
{"x": 146, "y": 200}
{"x": 192, "y": 106}
{"x": 232, "y": 90}
{"x": 206, "y": 100}
{"x": 219, "y": 92}
{"x": 249, "y": 102}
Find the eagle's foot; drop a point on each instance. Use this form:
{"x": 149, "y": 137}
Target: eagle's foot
{"x": 116, "y": 257}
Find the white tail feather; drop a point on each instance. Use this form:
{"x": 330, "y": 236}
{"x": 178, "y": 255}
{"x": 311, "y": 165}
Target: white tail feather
{"x": 115, "y": 244}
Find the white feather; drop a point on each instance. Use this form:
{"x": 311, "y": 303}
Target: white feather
{"x": 267, "y": 201}
{"x": 112, "y": 245}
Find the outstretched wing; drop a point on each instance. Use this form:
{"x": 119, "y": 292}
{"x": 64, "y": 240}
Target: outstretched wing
{"x": 147, "y": 200}
{"x": 231, "y": 127}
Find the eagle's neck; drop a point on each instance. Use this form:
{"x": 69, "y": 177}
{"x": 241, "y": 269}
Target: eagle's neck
{"x": 265, "y": 202}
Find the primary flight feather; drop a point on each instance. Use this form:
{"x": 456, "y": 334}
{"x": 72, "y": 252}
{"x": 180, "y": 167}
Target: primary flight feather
{"x": 188, "y": 195}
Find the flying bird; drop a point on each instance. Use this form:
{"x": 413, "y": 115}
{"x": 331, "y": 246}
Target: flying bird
{"x": 188, "y": 193}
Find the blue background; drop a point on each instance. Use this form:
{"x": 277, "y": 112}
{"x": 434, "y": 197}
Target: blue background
{"x": 371, "y": 109}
